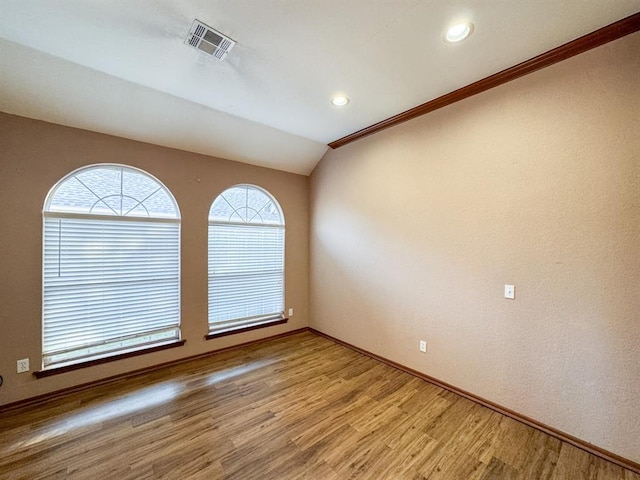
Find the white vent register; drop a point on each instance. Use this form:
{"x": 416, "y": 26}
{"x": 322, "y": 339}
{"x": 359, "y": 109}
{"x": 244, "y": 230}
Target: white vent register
{"x": 209, "y": 40}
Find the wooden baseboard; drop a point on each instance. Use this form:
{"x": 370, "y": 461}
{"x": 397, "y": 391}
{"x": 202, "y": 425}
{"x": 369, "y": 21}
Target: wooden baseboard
{"x": 565, "y": 437}
{"x": 32, "y": 401}
{"x": 554, "y": 432}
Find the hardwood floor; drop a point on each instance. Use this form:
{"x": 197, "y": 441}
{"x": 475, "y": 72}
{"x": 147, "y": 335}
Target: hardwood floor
{"x": 299, "y": 407}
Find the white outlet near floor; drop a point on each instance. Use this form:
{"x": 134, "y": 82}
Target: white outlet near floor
{"x": 291, "y": 312}
{"x": 22, "y": 365}
{"x": 423, "y": 346}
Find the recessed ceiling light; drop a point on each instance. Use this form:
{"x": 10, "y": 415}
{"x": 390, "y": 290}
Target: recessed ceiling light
{"x": 458, "y": 32}
{"x": 339, "y": 100}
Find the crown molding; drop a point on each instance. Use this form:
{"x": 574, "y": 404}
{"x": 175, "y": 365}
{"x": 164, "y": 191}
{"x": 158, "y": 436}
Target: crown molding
{"x": 580, "y": 45}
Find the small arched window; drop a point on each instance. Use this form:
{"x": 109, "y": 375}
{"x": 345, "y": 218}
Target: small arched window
{"x": 111, "y": 265}
{"x": 246, "y": 260}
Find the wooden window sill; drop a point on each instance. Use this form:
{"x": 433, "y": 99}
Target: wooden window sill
{"x": 47, "y": 372}
{"x": 233, "y": 331}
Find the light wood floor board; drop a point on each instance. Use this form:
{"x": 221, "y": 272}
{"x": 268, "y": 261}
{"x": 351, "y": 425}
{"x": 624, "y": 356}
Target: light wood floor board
{"x": 298, "y": 407}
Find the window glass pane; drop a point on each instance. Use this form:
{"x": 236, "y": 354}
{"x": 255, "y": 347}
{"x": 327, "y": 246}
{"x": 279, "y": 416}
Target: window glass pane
{"x": 220, "y": 210}
{"x": 72, "y": 196}
{"x": 256, "y": 200}
{"x": 236, "y": 196}
{"x": 160, "y": 205}
{"x": 101, "y": 181}
{"x": 137, "y": 185}
{"x": 270, "y": 214}
{"x": 112, "y": 190}
{"x": 109, "y": 205}
{"x": 245, "y": 204}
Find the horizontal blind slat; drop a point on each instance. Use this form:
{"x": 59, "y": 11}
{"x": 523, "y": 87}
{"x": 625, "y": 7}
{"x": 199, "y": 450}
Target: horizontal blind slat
{"x": 246, "y": 274}
{"x": 105, "y": 280}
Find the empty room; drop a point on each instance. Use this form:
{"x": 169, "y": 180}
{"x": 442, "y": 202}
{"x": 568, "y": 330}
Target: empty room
{"x": 287, "y": 239}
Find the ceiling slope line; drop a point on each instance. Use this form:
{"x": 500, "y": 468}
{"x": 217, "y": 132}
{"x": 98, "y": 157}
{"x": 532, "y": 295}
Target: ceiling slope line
{"x": 599, "y": 37}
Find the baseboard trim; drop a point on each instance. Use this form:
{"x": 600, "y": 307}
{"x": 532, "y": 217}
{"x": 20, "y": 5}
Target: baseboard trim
{"x": 33, "y": 401}
{"x": 554, "y": 432}
{"x": 565, "y": 437}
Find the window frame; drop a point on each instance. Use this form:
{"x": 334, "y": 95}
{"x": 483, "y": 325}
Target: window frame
{"x": 244, "y": 324}
{"x": 125, "y": 349}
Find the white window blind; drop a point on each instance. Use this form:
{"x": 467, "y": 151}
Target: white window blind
{"x": 111, "y": 269}
{"x": 246, "y": 259}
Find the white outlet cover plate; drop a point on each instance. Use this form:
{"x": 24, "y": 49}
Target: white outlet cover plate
{"x": 509, "y": 292}
{"x": 22, "y": 365}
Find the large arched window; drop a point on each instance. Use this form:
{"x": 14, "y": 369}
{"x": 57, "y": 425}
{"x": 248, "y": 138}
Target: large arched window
{"x": 246, "y": 260}
{"x": 111, "y": 265}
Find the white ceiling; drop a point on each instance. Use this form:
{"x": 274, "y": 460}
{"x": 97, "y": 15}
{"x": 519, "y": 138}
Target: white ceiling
{"x": 122, "y": 67}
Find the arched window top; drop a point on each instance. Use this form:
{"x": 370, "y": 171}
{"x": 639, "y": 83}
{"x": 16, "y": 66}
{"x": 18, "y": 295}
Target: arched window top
{"x": 114, "y": 190}
{"x": 246, "y": 204}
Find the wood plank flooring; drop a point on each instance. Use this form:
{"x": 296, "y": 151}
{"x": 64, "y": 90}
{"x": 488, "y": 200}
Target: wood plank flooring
{"x": 299, "y": 407}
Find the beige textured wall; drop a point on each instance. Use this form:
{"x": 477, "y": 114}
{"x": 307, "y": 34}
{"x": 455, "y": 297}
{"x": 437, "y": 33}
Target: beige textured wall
{"x": 34, "y": 155}
{"x": 415, "y": 231}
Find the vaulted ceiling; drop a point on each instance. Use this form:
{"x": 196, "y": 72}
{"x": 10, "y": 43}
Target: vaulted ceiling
{"x": 123, "y": 67}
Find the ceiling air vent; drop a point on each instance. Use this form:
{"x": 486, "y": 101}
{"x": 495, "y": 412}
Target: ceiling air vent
{"x": 209, "y": 40}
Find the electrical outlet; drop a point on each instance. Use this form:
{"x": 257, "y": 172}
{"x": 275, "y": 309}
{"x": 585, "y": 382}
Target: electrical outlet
{"x": 423, "y": 346}
{"x": 291, "y": 312}
{"x": 22, "y": 365}
{"x": 509, "y": 292}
